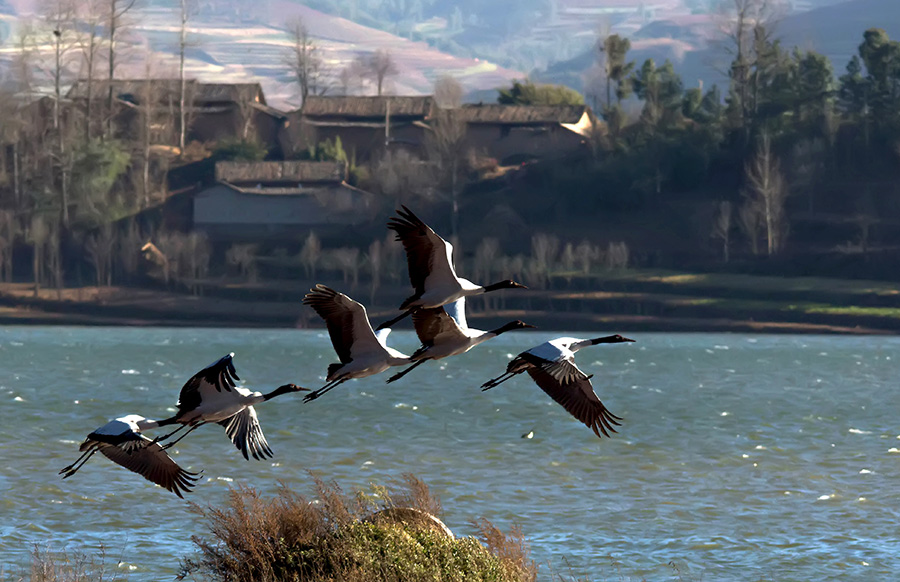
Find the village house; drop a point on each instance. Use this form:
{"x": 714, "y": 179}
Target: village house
{"x": 216, "y": 110}
{"x": 516, "y": 133}
{"x": 287, "y": 199}
{"x": 366, "y": 125}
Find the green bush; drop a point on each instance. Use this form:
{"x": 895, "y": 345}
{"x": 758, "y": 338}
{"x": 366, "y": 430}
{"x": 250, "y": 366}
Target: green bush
{"x": 239, "y": 150}
{"x": 340, "y": 537}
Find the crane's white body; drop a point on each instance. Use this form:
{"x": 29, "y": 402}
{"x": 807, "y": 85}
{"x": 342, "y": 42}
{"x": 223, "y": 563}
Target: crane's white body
{"x": 444, "y": 332}
{"x": 361, "y": 351}
{"x": 369, "y": 354}
{"x": 442, "y": 285}
{"x": 211, "y": 395}
{"x": 125, "y": 425}
{"x": 218, "y": 405}
{"x": 453, "y": 336}
{"x": 551, "y": 366}
{"x": 120, "y": 440}
{"x": 430, "y": 261}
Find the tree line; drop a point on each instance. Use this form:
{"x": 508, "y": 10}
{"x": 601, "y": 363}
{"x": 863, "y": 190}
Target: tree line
{"x": 786, "y": 136}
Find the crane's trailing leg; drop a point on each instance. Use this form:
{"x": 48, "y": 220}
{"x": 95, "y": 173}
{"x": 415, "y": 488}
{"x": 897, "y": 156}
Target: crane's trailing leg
{"x": 406, "y": 371}
{"x": 316, "y": 393}
{"x": 190, "y": 430}
{"x": 391, "y": 322}
{"x": 73, "y": 468}
{"x": 497, "y": 381}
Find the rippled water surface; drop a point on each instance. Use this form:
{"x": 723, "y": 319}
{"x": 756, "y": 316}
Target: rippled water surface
{"x": 740, "y": 457}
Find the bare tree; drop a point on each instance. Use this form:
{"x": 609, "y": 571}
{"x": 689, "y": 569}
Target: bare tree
{"x": 310, "y": 254}
{"x": 11, "y": 126}
{"x": 402, "y": 177}
{"x": 99, "y": 250}
{"x": 117, "y": 9}
{"x": 347, "y": 260}
{"x": 128, "y": 244}
{"x": 448, "y": 93}
{"x": 182, "y": 80}
{"x": 585, "y": 255}
{"x": 148, "y": 102}
{"x": 243, "y": 256}
{"x": 446, "y": 143}
{"x": 721, "y": 229}
{"x": 305, "y": 61}
{"x": 8, "y": 232}
{"x": 29, "y": 148}
{"x": 750, "y": 222}
{"x": 59, "y": 16}
{"x": 379, "y": 66}
{"x": 374, "y": 260}
{"x": 37, "y": 235}
{"x": 544, "y": 250}
{"x": 90, "y": 18}
{"x": 742, "y": 24}
{"x": 54, "y": 255}
{"x": 767, "y": 187}
{"x": 198, "y": 251}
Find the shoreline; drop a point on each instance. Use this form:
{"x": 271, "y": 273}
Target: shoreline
{"x": 143, "y": 307}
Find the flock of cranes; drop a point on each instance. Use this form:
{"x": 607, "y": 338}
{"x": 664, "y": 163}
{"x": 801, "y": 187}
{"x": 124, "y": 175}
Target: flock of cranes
{"x": 437, "y": 307}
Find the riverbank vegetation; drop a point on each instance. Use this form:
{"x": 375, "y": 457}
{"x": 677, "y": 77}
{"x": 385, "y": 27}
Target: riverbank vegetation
{"x": 388, "y": 534}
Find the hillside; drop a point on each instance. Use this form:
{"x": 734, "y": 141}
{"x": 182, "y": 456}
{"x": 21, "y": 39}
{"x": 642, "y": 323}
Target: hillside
{"x": 690, "y": 41}
{"x": 231, "y": 47}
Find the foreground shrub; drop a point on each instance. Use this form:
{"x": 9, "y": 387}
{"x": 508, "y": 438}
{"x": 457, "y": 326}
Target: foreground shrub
{"x": 65, "y": 566}
{"x": 388, "y": 535}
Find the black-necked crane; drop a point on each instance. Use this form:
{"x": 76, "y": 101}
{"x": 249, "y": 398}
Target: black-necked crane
{"x": 362, "y": 352}
{"x": 121, "y": 441}
{"x": 431, "y": 272}
{"x": 552, "y": 367}
{"x": 211, "y": 395}
{"x": 444, "y": 332}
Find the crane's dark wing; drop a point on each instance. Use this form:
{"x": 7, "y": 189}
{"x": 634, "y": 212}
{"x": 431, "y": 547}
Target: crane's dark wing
{"x": 433, "y": 323}
{"x": 427, "y": 254}
{"x": 218, "y": 376}
{"x": 563, "y": 371}
{"x": 579, "y": 399}
{"x": 244, "y": 431}
{"x": 347, "y": 322}
{"x": 148, "y": 459}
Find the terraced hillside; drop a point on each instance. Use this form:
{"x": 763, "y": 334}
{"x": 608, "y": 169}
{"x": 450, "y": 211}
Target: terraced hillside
{"x": 252, "y": 46}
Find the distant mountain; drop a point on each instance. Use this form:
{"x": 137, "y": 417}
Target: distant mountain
{"x": 835, "y": 30}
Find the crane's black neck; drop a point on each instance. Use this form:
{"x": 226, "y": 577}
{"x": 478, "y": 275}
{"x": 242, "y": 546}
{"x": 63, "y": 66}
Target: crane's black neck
{"x": 503, "y": 285}
{"x": 610, "y": 339}
{"x": 287, "y": 388}
{"x": 512, "y": 325}
{"x": 168, "y": 421}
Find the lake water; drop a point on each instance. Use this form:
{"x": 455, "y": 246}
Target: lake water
{"x": 741, "y": 457}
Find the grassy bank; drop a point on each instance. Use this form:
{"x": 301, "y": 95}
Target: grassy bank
{"x": 626, "y": 300}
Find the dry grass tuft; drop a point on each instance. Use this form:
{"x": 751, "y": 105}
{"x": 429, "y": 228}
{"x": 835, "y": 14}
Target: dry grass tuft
{"x": 64, "y": 566}
{"x": 334, "y": 537}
